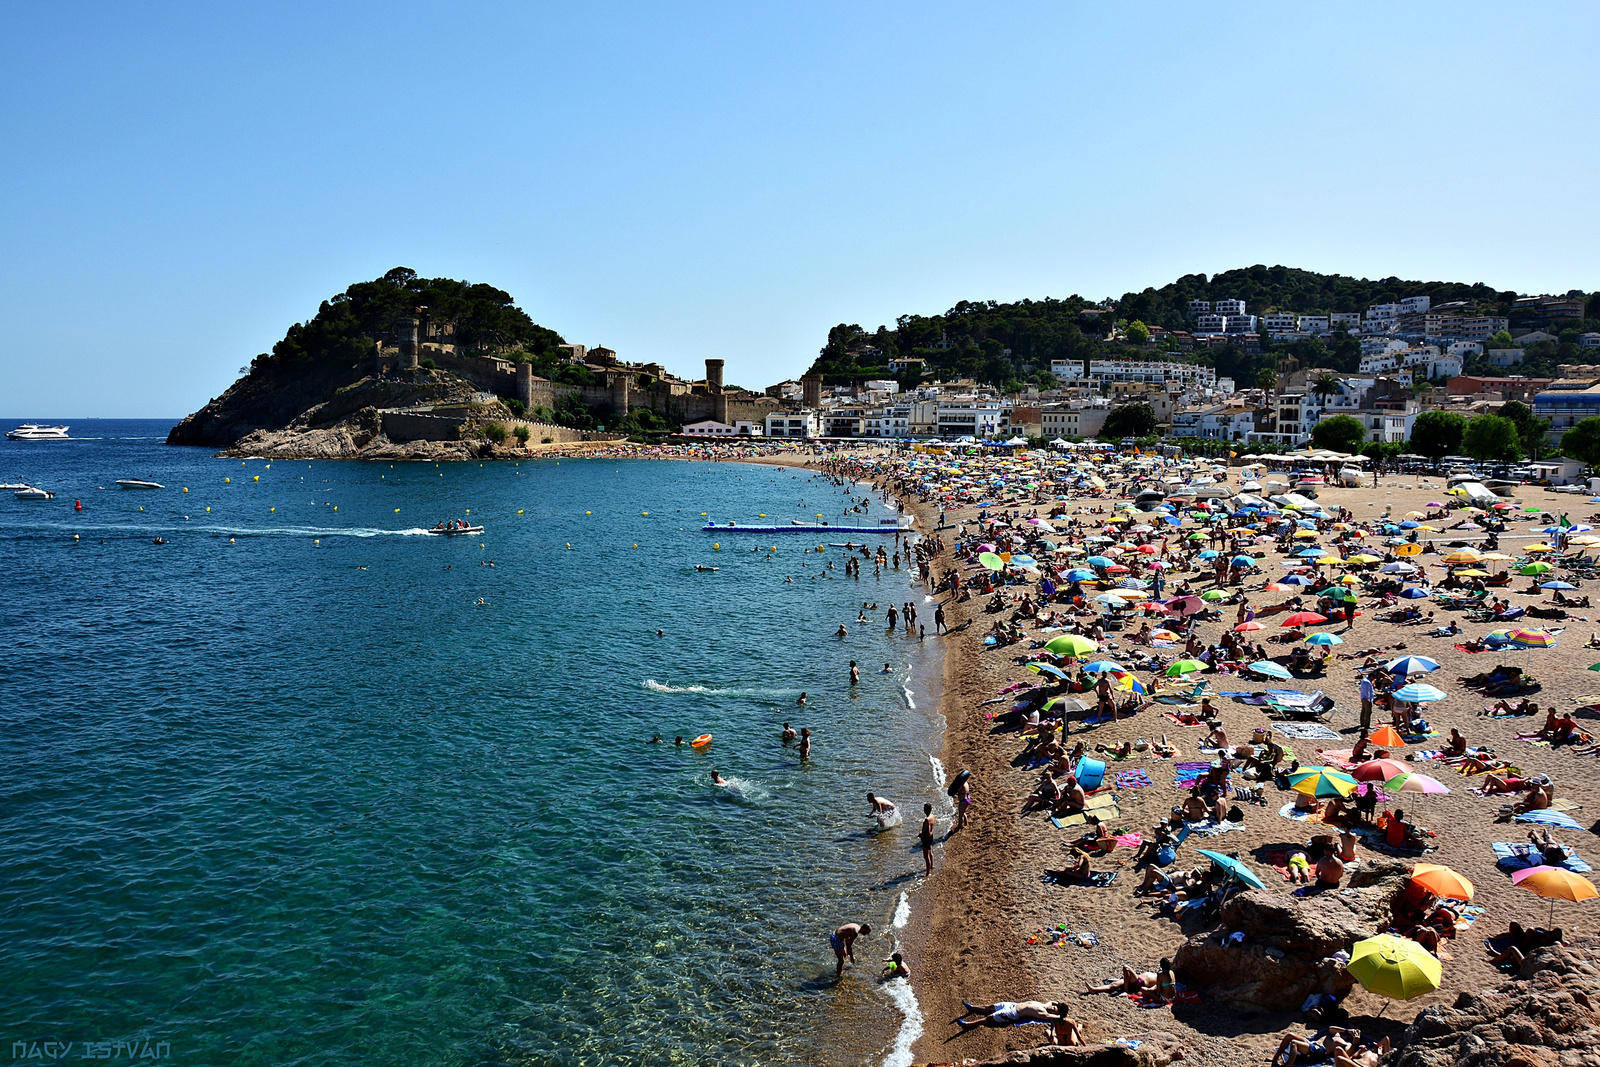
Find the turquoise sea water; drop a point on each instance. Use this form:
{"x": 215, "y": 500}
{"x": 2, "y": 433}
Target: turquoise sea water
{"x": 276, "y": 801}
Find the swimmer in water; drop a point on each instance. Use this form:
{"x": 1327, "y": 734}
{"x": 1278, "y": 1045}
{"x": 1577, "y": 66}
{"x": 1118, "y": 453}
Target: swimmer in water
{"x": 842, "y": 632}
{"x": 678, "y": 742}
{"x": 716, "y": 778}
{"x": 661, "y": 633}
{"x": 883, "y": 808}
{"x": 788, "y": 733}
{"x": 805, "y": 743}
{"x": 802, "y": 701}
{"x": 656, "y": 740}
{"x": 855, "y": 674}
{"x": 887, "y": 669}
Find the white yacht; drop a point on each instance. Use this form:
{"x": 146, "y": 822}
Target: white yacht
{"x": 33, "y": 493}
{"x": 30, "y": 431}
{"x": 138, "y": 483}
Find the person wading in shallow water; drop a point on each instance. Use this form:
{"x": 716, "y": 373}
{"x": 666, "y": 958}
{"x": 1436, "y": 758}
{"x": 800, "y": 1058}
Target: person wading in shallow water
{"x": 843, "y": 942}
{"x": 925, "y": 836}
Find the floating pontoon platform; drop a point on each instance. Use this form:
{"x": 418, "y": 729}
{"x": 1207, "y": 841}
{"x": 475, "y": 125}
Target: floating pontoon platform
{"x": 804, "y": 527}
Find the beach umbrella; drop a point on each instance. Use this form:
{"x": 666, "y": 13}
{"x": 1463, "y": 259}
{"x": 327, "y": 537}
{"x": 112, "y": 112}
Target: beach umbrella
{"x": 1394, "y": 967}
{"x": 1209, "y": 554}
{"x": 1081, "y": 575}
{"x": 1311, "y": 553}
{"x": 1295, "y": 579}
{"x": 1472, "y": 572}
{"x": 1379, "y": 770}
{"x": 1184, "y": 666}
{"x": 1463, "y": 556}
{"x": 1365, "y": 558}
{"x": 1304, "y": 618}
{"x": 1411, "y": 548}
{"x": 1322, "y": 782}
{"x": 1411, "y": 592}
{"x": 1397, "y": 568}
{"x": 1324, "y": 639}
{"x": 1163, "y": 635}
{"x": 1533, "y": 639}
{"x": 1409, "y": 524}
{"x": 1100, "y": 666}
{"x": 1442, "y": 881}
{"x": 1185, "y": 605}
{"x": 1412, "y": 665}
{"x": 1099, "y": 561}
{"x": 1415, "y": 782}
{"x": 1234, "y": 867}
{"x": 1066, "y": 704}
{"x": 1023, "y": 561}
{"x": 1418, "y": 693}
{"x": 1242, "y": 561}
{"x": 1534, "y": 568}
{"x": 1047, "y": 668}
{"x": 1271, "y": 670}
{"x": 1557, "y": 585}
{"x": 1549, "y": 817}
{"x": 1386, "y": 736}
{"x": 1071, "y": 645}
{"x": 1339, "y": 592}
{"x": 1538, "y": 548}
{"x": 1212, "y": 595}
{"x": 991, "y": 561}
{"x": 1246, "y": 627}
{"x": 1555, "y": 883}
{"x": 1133, "y": 583}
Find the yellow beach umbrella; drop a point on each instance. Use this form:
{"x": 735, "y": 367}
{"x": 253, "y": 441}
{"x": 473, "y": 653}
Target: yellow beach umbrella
{"x": 1461, "y": 557}
{"x": 1394, "y": 967}
{"x": 1306, "y": 533}
{"x": 1538, "y": 548}
{"x": 1498, "y": 557}
{"x": 1411, "y": 549}
{"x": 1330, "y": 560}
{"x": 1365, "y": 557}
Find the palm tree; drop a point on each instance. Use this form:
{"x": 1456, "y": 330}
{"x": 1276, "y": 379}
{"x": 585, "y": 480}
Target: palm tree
{"x": 1324, "y": 387}
{"x": 1266, "y": 378}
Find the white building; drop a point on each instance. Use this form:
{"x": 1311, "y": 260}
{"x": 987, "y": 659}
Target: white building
{"x": 1154, "y": 372}
{"x": 1464, "y": 350}
{"x": 1228, "y": 307}
{"x": 883, "y": 385}
{"x": 1068, "y": 370}
{"x": 1223, "y": 422}
{"x": 1211, "y": 323}
{"x": 970, "y": 417}
{"x": 893, "y": 421}
{"x": 713, "y": 428}
{"x": 1415, "y": 305}
{"x": 1505, "y": 357}
{"x": 1277, "y": 322}
{"x": 1349, "y": 321}
{"x": 1199, "y": 307}
{"x": 802, "y": 423}
{"x": 1318, "y": 324}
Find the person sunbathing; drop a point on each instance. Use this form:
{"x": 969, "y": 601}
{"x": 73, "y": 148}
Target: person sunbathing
{"x": 1076, "y": 870}
{"x": 1553, "y": 854}
{"x": 1010, "y": 1013}
{"x": 1047, "y": 795}
{"x": 1194, "y": 807}
{"x": 1121, "y": 752}
{"x": 1540, "y": 796}
{"x": 1164, "y": 748}
{"x": 1130, "y": 982}
{"x": 1362, "y": 1055}
{"x": 1314, "y": 1047}
{"x": 1308, "y": 804}
{"x": 1099, "y": 837}
{"x": 1521, "y": 707}
{"x": 1558, "y": 728}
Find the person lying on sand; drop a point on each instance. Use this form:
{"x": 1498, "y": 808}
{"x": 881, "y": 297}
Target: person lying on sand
{"x": 1130, "y": 982}
{"x": 1315, "y": 1047}
{"x": 1554, "y": 854}
{"x": 1010, "y": 1012}
{"x": 1362, "y": 1055}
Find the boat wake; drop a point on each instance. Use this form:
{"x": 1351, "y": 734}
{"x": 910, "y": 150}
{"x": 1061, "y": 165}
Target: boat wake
{"x": 220, "y": 531}
{"x": 744, "y": 790}
{"x": 705, "y": 690}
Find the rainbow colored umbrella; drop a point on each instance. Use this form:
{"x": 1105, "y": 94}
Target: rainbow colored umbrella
{"x": 1322, "y": 782}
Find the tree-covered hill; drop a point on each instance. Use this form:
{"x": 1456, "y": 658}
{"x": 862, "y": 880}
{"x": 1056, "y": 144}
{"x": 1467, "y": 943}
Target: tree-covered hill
{"x": 1009, "y": 344}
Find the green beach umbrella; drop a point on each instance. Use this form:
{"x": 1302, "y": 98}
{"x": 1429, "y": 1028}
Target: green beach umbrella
{"x": 1071, "y": 645}
{"x": 992, "y": 561}
{"x": 1535, "y": 568}
{"x": 1394, "y": 967}
{"x": 1212, "y": 594}
{"x": 1185, "y": 666}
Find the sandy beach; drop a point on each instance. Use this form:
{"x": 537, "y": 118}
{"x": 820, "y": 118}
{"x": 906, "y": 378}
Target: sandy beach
{"x": 989, "y": 897}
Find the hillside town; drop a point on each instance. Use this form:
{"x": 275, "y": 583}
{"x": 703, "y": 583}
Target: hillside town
{"x": 1413, "y": 356}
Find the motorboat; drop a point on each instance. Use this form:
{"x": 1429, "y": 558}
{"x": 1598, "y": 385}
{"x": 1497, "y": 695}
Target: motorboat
{"x": 138, "y": 483}
{"x": 12, "y": 487}
{"x": 34, "y": 493}
{"x": 447, "y": 531}
{"x": 32, "y": 431}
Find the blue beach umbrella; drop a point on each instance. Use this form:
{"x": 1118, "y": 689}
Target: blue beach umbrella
{"x": 1312, "y": 553}
{"x": 1418, "y": 693}
{"x": 1242, "y": 561}
{"x": 1409, "y": 524}
{"x": 1324, "y": 639}
{"x": 1081, "y": 575}
{"x": 1411, "y": 592}
{"x": 1172, "y": 520}
{"x": 1412, "y": 665}
{"x": 1102, "y": 666}
{"x": 1100, "y": 561}
{"x": 1557, "y": 585}
{"x": 1046, "y": 668}
{"x": 1295, "y": 579}
{"x": 1234, "y": 868}
{"x": 1024, "y": 561}
{"x": 1210, "y": 554}
{"x": 1271, "y": 670}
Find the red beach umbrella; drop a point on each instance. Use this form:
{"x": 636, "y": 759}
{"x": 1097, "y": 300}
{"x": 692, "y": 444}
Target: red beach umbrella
{"x": 1304, "y": 618}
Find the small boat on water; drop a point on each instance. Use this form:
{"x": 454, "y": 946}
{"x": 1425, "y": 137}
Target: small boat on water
{"x": 703, "y": 567}
{"x": 447, "y": 531}
{"x": 30, "y": 492}
{"x": 12, "y": 487}
{"x": 138, "y": 483}
{"x": 32, "y": 431}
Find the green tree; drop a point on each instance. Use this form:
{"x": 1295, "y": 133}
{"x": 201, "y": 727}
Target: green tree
{"x": 1437, "y": 433}
{"x": 1342, "y": 433}
{"x": 1137, "y": 333}
{"x": 1266, "y": 378}
{"x": 1530, "y": 428}
{"x": 1491, "y": 437}
{"x": 1499, "y": 339}
{"x": 1583, "y": 441}
{"x": 1129, "y": 420}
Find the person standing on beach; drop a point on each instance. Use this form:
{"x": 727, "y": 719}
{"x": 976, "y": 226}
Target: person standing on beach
{"x": 1367, "y": 694}
{"x": 925, "y": 836}
{"x": 843, "y": 943}
{"x": 939, "y": 626}
{"x": 963, "y": 802}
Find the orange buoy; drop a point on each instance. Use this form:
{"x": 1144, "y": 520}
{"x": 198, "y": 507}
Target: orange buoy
{"x": 700, "y": 742}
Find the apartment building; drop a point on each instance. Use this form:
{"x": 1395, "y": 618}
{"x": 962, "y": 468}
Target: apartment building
{"x": 970, "y": 417}
{"x": 798, "y": 423}
{"x": 1070, "y": 420}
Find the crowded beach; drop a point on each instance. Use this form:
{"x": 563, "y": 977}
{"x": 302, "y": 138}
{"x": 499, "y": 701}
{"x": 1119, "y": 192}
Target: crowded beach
{"x": 1207, "y": 718}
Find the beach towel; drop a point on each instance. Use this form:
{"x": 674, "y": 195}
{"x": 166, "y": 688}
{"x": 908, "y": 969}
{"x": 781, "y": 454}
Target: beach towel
{"x": 1207, "y": 828}
{"x": 1426, "y": 754}
{"x": 1337, "y": 757}
{"x": 1133, "y": 840}
{"x": 1134, "y": 779}
{"x": 1189, "y": 773}
{"x": 1288, "y": 812}
{"x": 1305, "y": 731}
{"x": 1417, "y": 739}
{"x": 1101, "y": 807}
{"x": 1173, "y": 718}
{"x": 1515, "y": 855}
{"x": 1471, "y": 651}
{"x": 1469, "y": 915}
{"x": 1098, "y": 719}
{"x": 1097, "y": 879}
{"x": 1152, "y": 999}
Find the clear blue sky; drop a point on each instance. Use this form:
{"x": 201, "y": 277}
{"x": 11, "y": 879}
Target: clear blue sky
{"x": 677, "y": 181}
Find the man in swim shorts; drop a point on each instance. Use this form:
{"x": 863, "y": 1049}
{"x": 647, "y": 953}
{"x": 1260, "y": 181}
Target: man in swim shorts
{"x": 843, "y": 941}
{"x": 925, "y": 836}
{"x": 1010, "y": 1013}
{"x": 883, "y": 808}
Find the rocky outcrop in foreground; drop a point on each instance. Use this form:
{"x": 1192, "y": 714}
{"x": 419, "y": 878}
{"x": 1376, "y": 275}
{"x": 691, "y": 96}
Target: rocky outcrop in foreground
{"x": 1545, "y": 1017}
{"x": 1156, "y": 1049}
